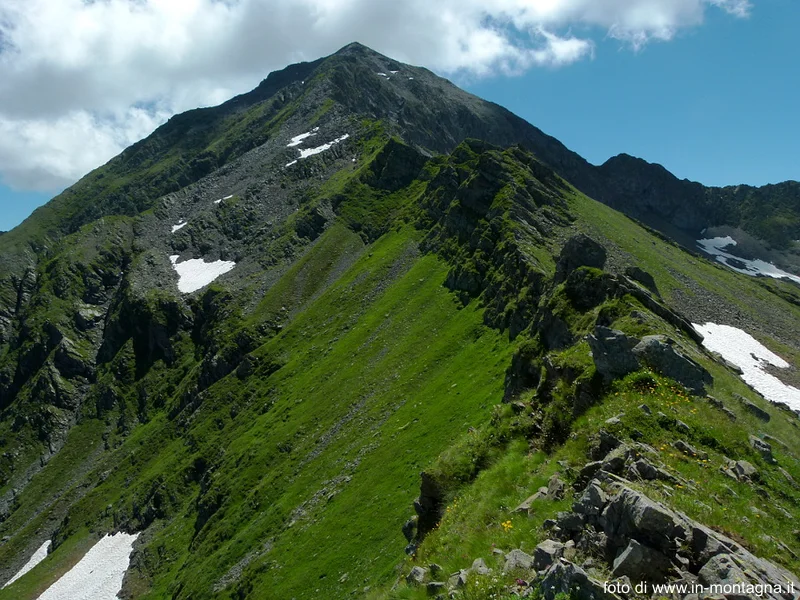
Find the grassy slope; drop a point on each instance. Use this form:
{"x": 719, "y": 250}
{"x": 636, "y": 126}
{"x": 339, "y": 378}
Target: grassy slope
{"x": 473, "y": 523}
{"x": 415, "y": 370}
{"x": 679, "y": 275}
{"x": 267, "y": 459}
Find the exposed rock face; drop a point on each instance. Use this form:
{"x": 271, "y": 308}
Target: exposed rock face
{"x": 569, "y": 579}
{"x": 659, "y": 353}
{"x": 753, "y": 408}
{"x": 612, "y": 352}
{"x": 547, "y": 553}
{"x": 579, "y": 251}
{"x": 616, "y": 354}
{"x": 641, "y": 276}
{"x": 643, "y": 540}
{"x": 641, "y": 563}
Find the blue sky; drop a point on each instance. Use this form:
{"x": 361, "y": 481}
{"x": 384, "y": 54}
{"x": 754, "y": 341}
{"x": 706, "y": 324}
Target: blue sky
{"x": 719, "y": 104}
{"x": 708, "y": 88}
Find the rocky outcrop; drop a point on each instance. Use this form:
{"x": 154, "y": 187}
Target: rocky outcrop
{"x": 612, "y": 352}
{"x": 579, "y": 251}
{"x": 616, "y": 354}
{"x": 658, "y": 352}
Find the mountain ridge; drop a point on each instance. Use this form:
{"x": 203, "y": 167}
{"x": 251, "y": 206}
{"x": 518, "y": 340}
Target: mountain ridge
{"x": 402, "y": 346}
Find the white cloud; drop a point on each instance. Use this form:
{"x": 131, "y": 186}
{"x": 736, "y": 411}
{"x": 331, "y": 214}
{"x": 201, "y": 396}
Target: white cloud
{"x": 80, "y": 80}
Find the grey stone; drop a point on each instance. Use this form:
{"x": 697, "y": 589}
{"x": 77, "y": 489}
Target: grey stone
{"x": 729, "y": 413}
{"x": 591, "y": 502}
{"x": 546, "y": 553}
{"x": 479, "y": 567}
{"x": 616, "y": 459}
{"x": 632, "y": 514}
{"x": 639, "y": 275}
{"x": 659, "y": 353}
{"x": 745, "y": 471}
{"x": 569, "y": 523}
{"x": 753, "y": 408}
{"x": 588, "y": 471}
{"x": 555, "y": 488}
{"x": 642, "y": 469}
{"x": 458, "y": 580}
{"x": 417, "y": 576}
{"x": 579, "y": 251}
{"x": 517, "y": 560}
{"x": 645, "y": 409}
{"x": 570, "y": 550}
{"x": 641, "y": 563}
{"x": 690, "y": 450}
{"x": 435, "y": 587}
{"x": 612, "y": 352}
{"x": 683, "y": 427}
{"x": 525, "y": 505}
{"x": 566, "y": 578}
{"x": 763, "y": 448}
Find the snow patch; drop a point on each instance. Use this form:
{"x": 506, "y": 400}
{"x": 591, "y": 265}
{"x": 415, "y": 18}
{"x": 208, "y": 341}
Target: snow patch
{"x": 98, "y": 575}
{"x": 289, "y": 164}
{"x": 394, "y": 72}
{"x": 181, "y": 224}
{"x": 747, "y": 353}
{"x": 715, "y": 247}
{"x": 225, "y": 198}
{"x": 383, "y": 75}
{"x": 298, "y": 139}
{"x": 37, "y": 557}
{"x": 195, "y": 273}
{"x": 306, "y": 152}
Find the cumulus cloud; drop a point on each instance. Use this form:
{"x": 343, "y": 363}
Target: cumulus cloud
{"x": 82, "y": 79}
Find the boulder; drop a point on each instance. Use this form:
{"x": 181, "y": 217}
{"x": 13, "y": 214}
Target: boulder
{"x": 546, "y": 553}
{"x": 417, "y": 576}
{"x": 659, "y": 352}
{"x": 434, "y": 588}
{"x": 525, "y": 505}
{"x": 612, "y": 352}
{"x": 729, "y": 413}
{"x": 479, "y": 567}
{"x": 641, "y": 276}
{"x": 569, "y": 523}
{"x": 763, "y": 448}
{"x": 555, "y": 488}
{"x": 641, "y": 563}
{"x": 517, "y": 560}
{"x": 745, "y": 471}
{"x": 579, "y": 251}
{"x": 690, "y": 450}
{"x": 642, "y": 469}
{"x": 458, "y": 580}
{"x": 592, "y": 501}
{"x": 631, "y": 514}
{"x": 753, "y": 408}
{"x": 586, "y": 474}
{"x": 567, "y": 579}
{"x": 602, "y": 443}
{"x": 587, "y": 287}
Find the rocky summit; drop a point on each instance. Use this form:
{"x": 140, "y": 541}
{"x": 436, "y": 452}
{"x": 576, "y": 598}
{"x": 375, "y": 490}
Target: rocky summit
{"x": 358, "y": 333}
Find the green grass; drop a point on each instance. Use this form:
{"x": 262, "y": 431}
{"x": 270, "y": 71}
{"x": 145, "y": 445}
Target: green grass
{"x": 382, "y": 372}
